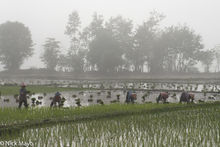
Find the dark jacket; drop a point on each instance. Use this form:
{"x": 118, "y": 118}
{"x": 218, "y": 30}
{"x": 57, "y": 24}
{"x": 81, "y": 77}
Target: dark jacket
{"x": 131, "y": 96}
{"x": 23, "y": 94}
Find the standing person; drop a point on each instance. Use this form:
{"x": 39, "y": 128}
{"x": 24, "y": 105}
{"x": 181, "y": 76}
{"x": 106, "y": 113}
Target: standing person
{"x": 130, "y": 97}
{"x": 23, "y": 96}
{"x": 56, "y": 99}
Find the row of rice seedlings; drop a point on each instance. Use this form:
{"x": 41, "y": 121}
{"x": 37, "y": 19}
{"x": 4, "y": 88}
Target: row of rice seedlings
{"x": 199, "y": 127}
{"x": 11, "y": 116}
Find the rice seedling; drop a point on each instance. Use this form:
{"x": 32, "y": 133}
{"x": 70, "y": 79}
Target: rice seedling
{"x": 99, "y": 93}
{"x": 114, "y": 101}
{"x": 109, "y": 94}
{"x": 90, "y": 100}
{"x": 33, "y": 100}
{"x": 118, "y": 96}
{"x": 40, "y": 97}
{"x": 80, "y": 93}
{"x": 74, "y": 96}
{"x": 99, "y": 101}
{"x": 78, "y": 102}
{"x": 6, "y": 100}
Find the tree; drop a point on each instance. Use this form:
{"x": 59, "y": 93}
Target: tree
{"x": 181, "y": 45}
{"x": 76, "y": 54}
{"x": 217, "y": 57}
{"x": 94, "y": 27}
{"x": 73, "y": 27}
{"x": 206, "y": 57}
{"x": 88, "y": 35}
{"x": 50, "y": 57}
{"x": 105, "y": 52}
{"x": 121, "y": 29}
{"x": 146, "y": 43}
{"x": 15, "y": 44}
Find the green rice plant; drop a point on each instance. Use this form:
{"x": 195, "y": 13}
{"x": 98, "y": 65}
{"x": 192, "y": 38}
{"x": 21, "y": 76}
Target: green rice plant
{"x": 6, "y": 100}
{"x": 99, "y": 93}
{"x": 118, "y": 96}
{"x": 99, "y": 101}
{"x": 78, "y": 102}
{"x": 90, "y": 100}
{"x": 108, "y": 94}
{"x": 38, "y": 102}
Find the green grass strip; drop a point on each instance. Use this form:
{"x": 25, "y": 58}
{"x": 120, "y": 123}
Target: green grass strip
{"x": 11, "y": 90}
{"x": 13, "y": 117}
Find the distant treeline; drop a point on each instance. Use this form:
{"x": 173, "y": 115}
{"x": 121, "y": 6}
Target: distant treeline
{"x": 112, "y": 46}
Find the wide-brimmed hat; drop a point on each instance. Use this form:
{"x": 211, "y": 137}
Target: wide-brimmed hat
{"x": 23, "y": 85}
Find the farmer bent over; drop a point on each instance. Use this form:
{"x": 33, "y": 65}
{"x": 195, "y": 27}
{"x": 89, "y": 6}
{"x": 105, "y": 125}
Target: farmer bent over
{"x": 130, "y": 97}
{"x": 186, "y": 97}
{"x": 163, "y": 97}
{"x": 56, "y": 99}
{"x": 23, "y": 96}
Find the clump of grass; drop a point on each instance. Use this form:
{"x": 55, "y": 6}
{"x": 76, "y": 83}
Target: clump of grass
{"x": 99, "y": 101}
{"x": 74, "y": 96}
{"x": 109, "y": 94}
{"x": 38, "y": 102}
{"x": 99, "y": 93}
{"x": 118, "y": 96}
{"x": 33, "y": 100}
{"x": 78, "y": 102}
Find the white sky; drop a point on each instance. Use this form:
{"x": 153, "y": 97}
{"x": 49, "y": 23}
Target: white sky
{"x": 47, "y": 18}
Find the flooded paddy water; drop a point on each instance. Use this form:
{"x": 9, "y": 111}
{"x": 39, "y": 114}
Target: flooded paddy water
{"x": 111, "y": 91}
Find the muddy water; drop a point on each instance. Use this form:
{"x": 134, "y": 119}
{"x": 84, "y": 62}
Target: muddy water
{"x": 94, "y": 95}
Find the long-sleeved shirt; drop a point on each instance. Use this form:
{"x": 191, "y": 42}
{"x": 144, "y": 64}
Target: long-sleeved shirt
{"x": 23, "y": 93}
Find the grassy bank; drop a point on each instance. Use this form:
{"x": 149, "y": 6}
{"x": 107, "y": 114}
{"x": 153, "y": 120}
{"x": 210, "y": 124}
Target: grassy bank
{"x": 11, "y": 90}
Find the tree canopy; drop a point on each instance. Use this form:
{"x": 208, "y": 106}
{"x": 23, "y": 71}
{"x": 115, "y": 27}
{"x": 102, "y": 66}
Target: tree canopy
{"x": 50, "y": 56}
{"x": 15, "y": 44}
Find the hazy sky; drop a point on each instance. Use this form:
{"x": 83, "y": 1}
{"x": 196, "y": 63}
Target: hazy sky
{"x": 47, "y": 18}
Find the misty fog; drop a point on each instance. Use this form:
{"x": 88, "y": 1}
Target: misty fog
{"x": 48, "y": 19}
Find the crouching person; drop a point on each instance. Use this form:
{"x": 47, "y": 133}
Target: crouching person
{"x": 186, "y": 97}
{"x": 162, "y": 97}
{"x": 56, "y": 99}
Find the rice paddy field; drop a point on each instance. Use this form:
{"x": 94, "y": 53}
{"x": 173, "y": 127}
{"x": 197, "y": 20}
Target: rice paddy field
{"x": 84, "y": 93}
{"x": 121, "y": 125}
{"x": 94, "y": 113}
